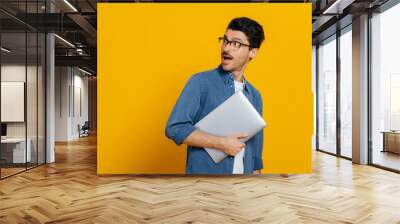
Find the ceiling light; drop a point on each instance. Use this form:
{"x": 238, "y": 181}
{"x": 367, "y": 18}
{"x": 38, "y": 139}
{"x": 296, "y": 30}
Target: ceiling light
{"x": 84, "y": 71}
{"x": 338, "y": 6}
{"x": 65, "y": 41}
{"x": 5, "y": 50}
{"x": 70, "y": 5}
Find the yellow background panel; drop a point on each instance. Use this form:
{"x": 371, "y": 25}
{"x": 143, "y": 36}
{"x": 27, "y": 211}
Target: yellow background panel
{"x": 147, "y": 52}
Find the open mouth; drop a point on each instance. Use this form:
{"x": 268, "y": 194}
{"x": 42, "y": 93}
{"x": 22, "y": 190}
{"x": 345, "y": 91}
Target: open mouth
{"x": 227, "y": 57}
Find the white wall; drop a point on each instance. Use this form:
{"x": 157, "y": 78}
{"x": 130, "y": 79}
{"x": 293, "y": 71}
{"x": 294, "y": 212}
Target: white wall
{"x": 62, "y": 78}
{"x": 81, "y": 84}
{"x": 71, "y": 93}
{"x": 12, "y": 101}
{"x": 12, "y": 73}
{"x": 16, "y": 72}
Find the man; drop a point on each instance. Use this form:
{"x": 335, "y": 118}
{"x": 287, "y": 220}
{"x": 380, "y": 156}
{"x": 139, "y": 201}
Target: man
{"x": 205, "y": 91}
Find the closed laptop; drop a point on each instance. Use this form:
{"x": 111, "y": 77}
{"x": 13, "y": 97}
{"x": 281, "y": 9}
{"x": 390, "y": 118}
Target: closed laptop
{"x": 235, "y": 115}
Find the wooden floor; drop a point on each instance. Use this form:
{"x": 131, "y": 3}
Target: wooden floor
{"x": 69, "y": 191}
{"x": 387, "y": 159}
{"x": 5, "y": 172}
{"x": 9, "y": 171}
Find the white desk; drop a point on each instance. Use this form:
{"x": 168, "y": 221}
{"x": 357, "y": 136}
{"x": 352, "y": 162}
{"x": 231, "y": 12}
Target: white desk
{"x": 18, "y": 149}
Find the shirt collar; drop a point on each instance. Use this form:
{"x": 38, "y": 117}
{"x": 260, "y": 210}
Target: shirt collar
{"x": 228, "y": 77}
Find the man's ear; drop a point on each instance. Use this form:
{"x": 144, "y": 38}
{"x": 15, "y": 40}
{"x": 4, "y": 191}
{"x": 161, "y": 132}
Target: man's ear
{"x": 253, "y": 53}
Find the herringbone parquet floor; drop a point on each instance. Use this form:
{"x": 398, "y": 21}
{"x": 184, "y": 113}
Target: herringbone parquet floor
{"x": 69, "y": 191}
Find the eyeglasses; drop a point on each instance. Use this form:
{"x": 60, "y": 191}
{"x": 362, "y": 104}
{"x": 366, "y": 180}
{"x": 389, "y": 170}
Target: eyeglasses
{"x": 234, "y": 43}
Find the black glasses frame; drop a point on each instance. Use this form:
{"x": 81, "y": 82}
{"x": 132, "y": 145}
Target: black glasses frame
{"x": 235, "y": 43}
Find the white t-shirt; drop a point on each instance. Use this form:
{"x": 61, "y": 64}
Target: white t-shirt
{"x": 238, "y": 160}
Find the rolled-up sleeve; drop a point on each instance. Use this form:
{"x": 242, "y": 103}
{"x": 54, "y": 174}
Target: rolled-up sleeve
{"x": 259, "y": 138}
{"x": 181, "y": 120}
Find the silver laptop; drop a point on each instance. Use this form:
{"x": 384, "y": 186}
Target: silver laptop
{"x": 235, "y": 115}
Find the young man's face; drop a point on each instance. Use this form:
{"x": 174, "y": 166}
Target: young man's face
{"x": 233, "y": 59}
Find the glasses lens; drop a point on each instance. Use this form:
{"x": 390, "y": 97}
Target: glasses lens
{"x": 225, "y": 42}
{"x": 236, "y": 44}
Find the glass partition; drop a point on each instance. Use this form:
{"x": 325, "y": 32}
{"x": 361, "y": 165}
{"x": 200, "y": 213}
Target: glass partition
{"x": 327, "y": 95}
{"x": 14, "y": 145}
{"x": 22, "y": 78}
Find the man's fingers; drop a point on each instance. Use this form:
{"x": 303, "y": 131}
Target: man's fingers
{"x": 235, "y": 151}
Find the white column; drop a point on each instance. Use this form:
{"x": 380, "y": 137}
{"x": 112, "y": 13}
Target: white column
{"x": 50, "y": 100}
{"x": 50, "y": 92}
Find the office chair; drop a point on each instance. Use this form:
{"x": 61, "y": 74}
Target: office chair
{"x": 84, "y": 130}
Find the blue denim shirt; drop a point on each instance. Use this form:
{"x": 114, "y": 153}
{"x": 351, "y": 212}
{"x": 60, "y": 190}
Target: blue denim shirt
{"x": 202, "y": 94}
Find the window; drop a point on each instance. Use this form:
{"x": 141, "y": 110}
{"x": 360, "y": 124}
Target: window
{"x": 385, "y": 88}
{"x": 346, "y": 93}
{"x": 327, "y": 95}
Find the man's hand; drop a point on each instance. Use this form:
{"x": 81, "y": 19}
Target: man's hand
{"x": 257, "y": 172}
{"x": 232, "y": 145}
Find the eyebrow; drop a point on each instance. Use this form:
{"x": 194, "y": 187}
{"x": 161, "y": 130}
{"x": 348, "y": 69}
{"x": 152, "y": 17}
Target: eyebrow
{"x": 234, "y": 38}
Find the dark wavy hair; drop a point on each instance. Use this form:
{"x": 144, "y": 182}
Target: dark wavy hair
{"x": 253, "y": 30}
